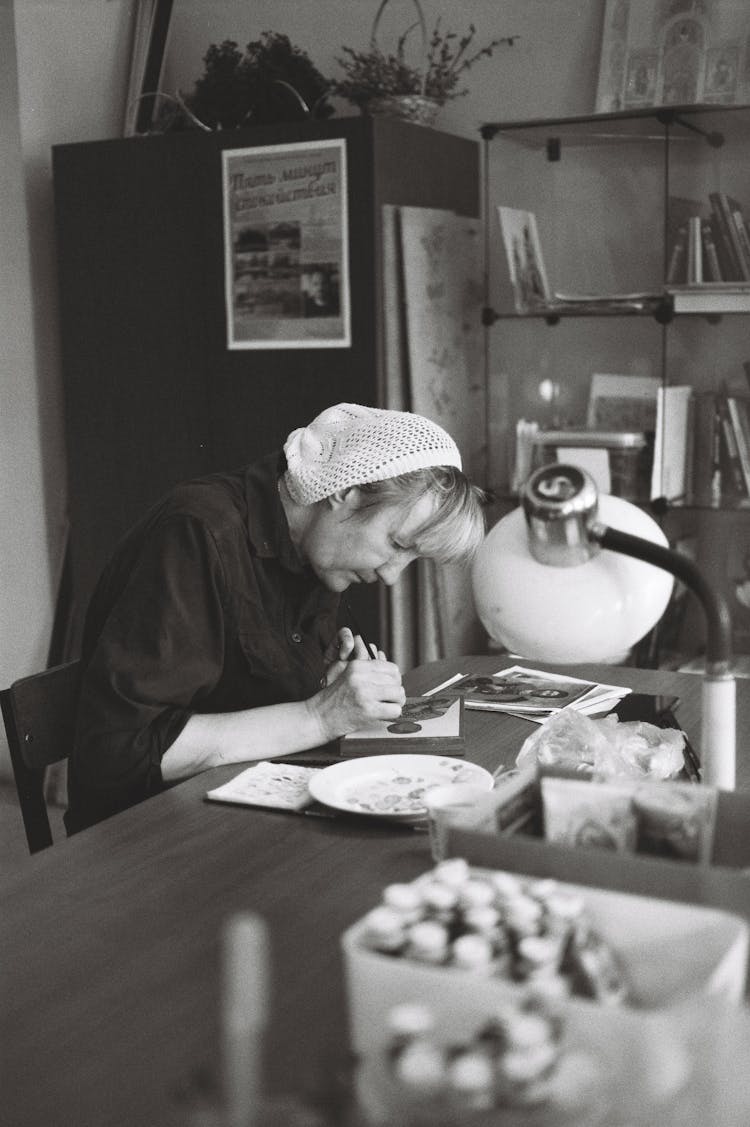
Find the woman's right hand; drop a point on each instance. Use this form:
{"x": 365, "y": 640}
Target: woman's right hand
{"x": 358, "y": 692}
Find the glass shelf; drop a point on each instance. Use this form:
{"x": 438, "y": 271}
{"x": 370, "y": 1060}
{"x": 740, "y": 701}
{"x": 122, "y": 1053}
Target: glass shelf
{"x": 710, "y": 124}
{"x": 658, "y": 307}
{"x": 678, "y": 302}
{"x": 604, "y": 213}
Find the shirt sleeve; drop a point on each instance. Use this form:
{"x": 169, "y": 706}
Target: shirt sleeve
{"x": 161, "y": 649}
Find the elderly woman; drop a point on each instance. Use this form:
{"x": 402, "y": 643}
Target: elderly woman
{"x": 211, "y": 637}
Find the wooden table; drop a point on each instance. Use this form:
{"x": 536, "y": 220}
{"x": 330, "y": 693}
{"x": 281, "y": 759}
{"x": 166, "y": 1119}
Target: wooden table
{"x": 110, "y": 949}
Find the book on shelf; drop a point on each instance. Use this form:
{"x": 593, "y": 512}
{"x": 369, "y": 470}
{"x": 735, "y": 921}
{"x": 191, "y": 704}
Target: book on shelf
{"x": 694, "y": 251}
{"x": 711, "y": 265}
{"x": 739, "y": 222}
{"x": 724, "y": 207}
{"x": 710, "y": 297}
{"x": 733, "y": 478}
{"x": 738, "y": 415}
{"x": 707, "y": 472}
{"x": 685, "y": 216}
{"x": 677, "y": 260}
{"x": 670, "y": 475}
{"x": 707, "y": 240}
{"x": 725, "y": 253}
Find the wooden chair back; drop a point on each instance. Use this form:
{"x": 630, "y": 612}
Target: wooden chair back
{"x": 39, "y": 713}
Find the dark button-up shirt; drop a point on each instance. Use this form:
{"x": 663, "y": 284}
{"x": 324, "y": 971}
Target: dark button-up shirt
{"x": 205, "y": 607}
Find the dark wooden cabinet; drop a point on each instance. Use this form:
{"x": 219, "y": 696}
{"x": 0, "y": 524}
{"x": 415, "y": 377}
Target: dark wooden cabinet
{"x": 152, "y": 394}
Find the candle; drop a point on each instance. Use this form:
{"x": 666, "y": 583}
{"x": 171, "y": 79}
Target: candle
{"x": 246, "y": 973}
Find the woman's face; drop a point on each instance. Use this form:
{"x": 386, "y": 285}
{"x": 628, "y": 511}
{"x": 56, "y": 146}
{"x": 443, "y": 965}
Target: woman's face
{"x": 346, "y": 544}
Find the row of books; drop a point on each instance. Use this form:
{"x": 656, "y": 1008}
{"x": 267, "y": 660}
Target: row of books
{"x": 721, "y": 450}
{"x": 701, "y": 447}
{"x": 708, "y": 241}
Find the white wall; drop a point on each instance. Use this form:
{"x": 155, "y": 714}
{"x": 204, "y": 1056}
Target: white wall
{"x": 25, "y": 577}
{"x": 63, "y": 76}
{"x": 63, "y": 67}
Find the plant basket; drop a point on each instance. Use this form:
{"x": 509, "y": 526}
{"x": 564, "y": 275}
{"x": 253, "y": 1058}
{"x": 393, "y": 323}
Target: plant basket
{"x": 409, "y": 107}
{"x": 416, "y": 107}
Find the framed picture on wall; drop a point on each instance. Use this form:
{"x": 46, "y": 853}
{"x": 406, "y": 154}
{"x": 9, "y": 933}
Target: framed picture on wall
{"x": 286, "y": 249}
{"x": 657, "y": 53}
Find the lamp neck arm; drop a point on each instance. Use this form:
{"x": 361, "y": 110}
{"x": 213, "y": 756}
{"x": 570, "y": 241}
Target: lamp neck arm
{"x": 716, "y": 608}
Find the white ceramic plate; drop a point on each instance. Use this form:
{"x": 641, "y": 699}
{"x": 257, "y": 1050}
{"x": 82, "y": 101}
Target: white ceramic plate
{"x": 391, "y": 786}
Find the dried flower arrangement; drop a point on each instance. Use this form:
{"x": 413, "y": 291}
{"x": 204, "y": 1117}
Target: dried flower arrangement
{"x": 370, "y": 76}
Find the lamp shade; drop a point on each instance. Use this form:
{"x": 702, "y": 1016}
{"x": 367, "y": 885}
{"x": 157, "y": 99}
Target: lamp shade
{"x": 591, "y": 612}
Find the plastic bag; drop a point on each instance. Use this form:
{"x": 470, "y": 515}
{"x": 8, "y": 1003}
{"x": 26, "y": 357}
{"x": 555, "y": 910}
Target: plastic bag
{"x": 604, "y": 749}
{"x": 649, "y": 751}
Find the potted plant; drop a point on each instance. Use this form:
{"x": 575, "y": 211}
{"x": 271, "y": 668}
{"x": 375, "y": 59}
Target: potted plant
{"x": 272, "y": 81}
{"x": 378, "y": 82}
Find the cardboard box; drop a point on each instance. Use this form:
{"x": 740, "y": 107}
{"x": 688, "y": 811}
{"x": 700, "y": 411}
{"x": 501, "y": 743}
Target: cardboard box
{"x": 670, "y": 953}
{"x": 722, "y": 884}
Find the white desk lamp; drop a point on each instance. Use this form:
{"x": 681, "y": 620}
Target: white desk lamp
{"x": 552, "y": 582}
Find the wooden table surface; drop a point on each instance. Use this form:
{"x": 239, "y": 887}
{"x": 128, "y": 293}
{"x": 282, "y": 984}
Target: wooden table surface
{"x": 110, "y": 951}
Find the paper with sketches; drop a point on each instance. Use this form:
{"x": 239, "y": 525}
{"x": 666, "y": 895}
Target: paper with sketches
{"x": 281, "y": 785}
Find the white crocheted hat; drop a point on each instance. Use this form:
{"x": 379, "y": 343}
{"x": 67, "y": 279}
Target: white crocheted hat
{"x": 352, "y": 445}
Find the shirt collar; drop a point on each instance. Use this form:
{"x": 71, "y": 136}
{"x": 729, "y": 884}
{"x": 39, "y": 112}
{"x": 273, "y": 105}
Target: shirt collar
{"x": 267, "y": 525}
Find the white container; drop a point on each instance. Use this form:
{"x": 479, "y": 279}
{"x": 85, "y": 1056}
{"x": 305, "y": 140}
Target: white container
{"x": 671, "y": 954}
{"x": 457, "y": 805}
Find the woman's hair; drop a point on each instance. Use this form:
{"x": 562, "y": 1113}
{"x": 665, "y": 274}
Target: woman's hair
{"x": 456, "y": 528}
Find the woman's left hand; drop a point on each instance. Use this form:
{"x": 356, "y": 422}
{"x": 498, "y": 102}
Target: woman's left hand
{"x": 346, "y": 647}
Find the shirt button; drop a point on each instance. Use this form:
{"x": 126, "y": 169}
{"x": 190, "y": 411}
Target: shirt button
{"x": 296, "y": 637}
{"x": 323, "y": 682}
